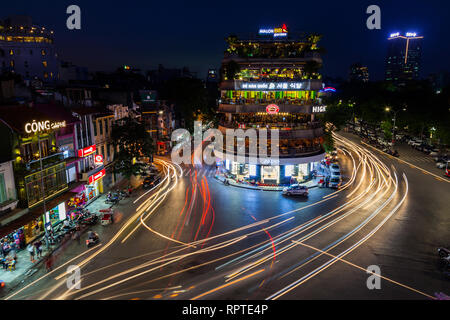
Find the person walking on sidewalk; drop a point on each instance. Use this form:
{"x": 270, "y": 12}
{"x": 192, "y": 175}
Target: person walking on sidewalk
{"x": 30, "y": 249}
{"x": 38, "y": 245}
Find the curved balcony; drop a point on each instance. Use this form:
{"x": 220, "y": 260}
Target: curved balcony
{"x": 272, "y": 84}
{"x": 286, "y": 130}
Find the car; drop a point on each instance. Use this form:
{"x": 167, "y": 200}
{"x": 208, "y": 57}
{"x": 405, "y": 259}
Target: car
{"x": 434, "y": 152}
{"x": 334, "y": 168}
{"x": 442, "y": 164}
{"x": 335, "y": 181}
{"x": 151, "y": 181}
{"x": 296, "y": 189}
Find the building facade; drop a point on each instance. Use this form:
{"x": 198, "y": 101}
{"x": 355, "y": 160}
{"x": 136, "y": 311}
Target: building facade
{"x": 28, "y": 49}
{"x": 359, "y": 73}
{"x": 272, "y": 82}
{"x": 403, "y": 58}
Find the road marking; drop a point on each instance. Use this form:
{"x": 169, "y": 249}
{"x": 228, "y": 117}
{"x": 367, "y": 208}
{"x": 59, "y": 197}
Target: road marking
{"x": 410, "y": 164}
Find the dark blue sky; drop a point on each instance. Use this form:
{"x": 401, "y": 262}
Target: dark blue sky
{"x": 191, "y": 33}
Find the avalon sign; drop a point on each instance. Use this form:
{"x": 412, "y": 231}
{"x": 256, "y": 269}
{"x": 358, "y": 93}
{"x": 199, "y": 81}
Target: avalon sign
{"x": 38, "y": 126}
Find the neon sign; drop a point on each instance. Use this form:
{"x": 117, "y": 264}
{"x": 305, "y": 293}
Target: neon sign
{"x": 97, "y": 176}
{"x": 276, "y": 32}
{"x": 86, "y": 151}
{"x": 270, "y": 86}
{"x": 272, "y": 109}
{"x": 319, "y": 109}
{"x": 329, "y": 89}
{"x": 38, "y": 126}
{"x": 98, "y": 159}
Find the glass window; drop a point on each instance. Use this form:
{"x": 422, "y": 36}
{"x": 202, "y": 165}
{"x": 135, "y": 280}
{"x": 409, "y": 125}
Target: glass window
{"x": 3, "y": 196}
{"x": 100, "y": 123}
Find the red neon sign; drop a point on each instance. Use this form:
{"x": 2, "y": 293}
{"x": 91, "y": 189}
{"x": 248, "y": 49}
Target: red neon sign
{"x": 98, "y": 159}
{"x": 272, "y": 109}
{"x": 86, "y": 151}
{"x": 97, "y": 176}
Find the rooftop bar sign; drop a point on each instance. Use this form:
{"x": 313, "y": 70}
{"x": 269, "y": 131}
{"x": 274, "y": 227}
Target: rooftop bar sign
{"x": 266, "y": 86}
{"x": 46, "y": 125}
{"x": 276, "y": 32}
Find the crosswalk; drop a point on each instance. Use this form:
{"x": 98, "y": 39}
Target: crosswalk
{"x": 203, "y": 171}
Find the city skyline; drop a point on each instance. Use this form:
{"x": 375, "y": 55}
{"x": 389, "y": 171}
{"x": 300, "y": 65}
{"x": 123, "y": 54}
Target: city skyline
{"x": 199, "y": 45}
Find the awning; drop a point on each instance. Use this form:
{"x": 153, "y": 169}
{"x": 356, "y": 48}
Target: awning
{"x": 35, "y": 213}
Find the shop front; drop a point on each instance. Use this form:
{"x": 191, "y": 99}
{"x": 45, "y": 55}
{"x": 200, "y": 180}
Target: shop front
{"x": 95, "y": 185}
{"x": 279, "y": 175}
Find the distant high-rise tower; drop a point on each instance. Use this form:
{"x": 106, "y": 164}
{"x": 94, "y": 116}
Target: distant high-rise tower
{"x": 358, "y": 72}
{"x": 403, "y": 57}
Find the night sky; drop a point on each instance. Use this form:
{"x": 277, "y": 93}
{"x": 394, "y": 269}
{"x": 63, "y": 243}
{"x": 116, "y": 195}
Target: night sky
{"x": 144, "y": 34}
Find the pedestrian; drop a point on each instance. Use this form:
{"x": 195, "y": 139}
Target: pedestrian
{"x": 30, "y": 249}
{"x": 38, "y": 245}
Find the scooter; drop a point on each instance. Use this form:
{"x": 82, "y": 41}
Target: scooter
{"x": 91, "y": 220}
{"x": 92, "y": 240}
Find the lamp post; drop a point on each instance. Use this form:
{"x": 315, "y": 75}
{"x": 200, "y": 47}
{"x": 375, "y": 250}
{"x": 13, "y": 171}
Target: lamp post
{"x": 388, "y": 109}
{"x": 43, "y": 191}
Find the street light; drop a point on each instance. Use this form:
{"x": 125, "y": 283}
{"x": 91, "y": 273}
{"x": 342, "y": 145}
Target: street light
{"x": 388, "y": 109}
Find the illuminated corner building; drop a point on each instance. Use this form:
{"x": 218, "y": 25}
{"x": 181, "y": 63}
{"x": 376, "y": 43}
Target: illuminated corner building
{"x": 403, "y": 57}
{"x": 359, "y": 73}
{"x": 28, "y": 49}
{"x": 271, "y": 81}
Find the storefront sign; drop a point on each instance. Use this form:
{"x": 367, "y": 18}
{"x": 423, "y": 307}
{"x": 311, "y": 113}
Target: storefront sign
{"x": 319, "y": 109}
{"x": 97, "y": 176}
{"x": 272, "y": 109}
{"x": 46, "y": 125}
{"x": 98, "y": 159}
{"x": 86, "y": 151}
{"x": 266, "y": 86}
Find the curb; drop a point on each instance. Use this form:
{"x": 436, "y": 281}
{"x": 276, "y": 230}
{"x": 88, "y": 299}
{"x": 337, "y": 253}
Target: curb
{"x": 256, "y": 188}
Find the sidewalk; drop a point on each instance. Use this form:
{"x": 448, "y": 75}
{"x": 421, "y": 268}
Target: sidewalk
{"x": 25, "y": 268}
{"x": 310, "y": 184}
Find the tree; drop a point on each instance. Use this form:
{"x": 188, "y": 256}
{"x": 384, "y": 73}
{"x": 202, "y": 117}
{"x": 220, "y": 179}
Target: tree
{"x": 231, "y": 69}
{"x": 328, "y": 141}
{"x": 386, "y": 126}
{"x": 311, "y": 69}
{"x": 133, "y": 142}
{"x": 337, "y": 114}
{"x": 189, "y": 96}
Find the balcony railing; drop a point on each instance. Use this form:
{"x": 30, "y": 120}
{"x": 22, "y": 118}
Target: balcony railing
{"x": 299, "y": 102}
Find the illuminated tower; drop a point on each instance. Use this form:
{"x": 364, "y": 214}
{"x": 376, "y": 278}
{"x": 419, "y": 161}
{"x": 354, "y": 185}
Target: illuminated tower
{"x": 403, "y": 57}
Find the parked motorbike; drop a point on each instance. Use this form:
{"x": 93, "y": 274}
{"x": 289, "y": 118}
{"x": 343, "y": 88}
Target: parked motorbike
{"x": 91, "y": 220}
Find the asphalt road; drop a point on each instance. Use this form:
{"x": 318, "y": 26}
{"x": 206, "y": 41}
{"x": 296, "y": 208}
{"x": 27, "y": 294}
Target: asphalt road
{"x": 195, "y": 238}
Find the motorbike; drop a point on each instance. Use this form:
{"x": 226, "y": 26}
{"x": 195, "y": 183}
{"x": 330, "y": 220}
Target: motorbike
{"x": 443, "y": 252}
{"x": 92, "y": 240}
{"x": 112, "y": 198}
{"x": 91, "y": 220}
